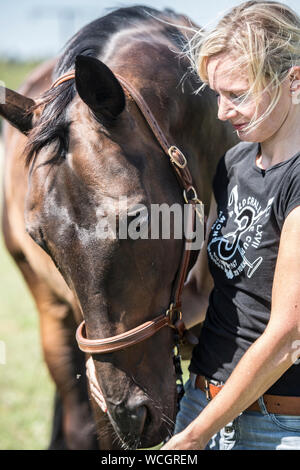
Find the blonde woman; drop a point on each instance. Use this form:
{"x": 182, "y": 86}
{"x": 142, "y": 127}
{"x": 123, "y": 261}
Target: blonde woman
{"x": 244, "y": 388}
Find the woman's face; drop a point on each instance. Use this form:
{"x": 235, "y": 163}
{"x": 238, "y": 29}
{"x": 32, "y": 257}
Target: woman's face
{"x": 231, "y": 84}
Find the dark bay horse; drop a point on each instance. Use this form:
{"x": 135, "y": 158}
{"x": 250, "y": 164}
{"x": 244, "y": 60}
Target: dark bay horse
{"x": 72, "y": 152}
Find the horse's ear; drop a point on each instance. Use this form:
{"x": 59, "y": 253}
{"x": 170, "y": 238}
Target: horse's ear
{"x": 16, "y": 109}
{"x": 98, "y": 87}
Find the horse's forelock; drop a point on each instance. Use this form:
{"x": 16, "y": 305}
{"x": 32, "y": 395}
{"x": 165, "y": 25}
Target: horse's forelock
{"x": 51, "y": 124}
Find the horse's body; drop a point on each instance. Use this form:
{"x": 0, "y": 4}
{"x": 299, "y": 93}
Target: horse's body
{"x": 105, "y": 150}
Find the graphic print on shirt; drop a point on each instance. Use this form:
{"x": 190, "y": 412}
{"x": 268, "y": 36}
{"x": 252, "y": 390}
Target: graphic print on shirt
{"x": 228, "y": 251}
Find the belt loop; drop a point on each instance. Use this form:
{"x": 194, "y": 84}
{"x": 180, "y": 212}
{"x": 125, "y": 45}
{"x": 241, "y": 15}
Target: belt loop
{"x": 262, "y": 406}
{"x": 193, "y": 379}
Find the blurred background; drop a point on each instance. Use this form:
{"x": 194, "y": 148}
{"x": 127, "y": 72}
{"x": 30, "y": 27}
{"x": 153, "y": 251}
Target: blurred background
{"x": 32, "y": 31}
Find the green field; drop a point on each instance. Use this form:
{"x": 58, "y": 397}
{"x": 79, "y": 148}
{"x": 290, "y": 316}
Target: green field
{"x": 13, "y": 73}
{"x": 26, "y": 392}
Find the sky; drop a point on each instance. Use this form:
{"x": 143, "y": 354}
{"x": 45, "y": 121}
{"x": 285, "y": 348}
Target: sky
{"x": 35, "y": 29}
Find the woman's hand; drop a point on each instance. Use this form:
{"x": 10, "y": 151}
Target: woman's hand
{"x": 183, "y": 441}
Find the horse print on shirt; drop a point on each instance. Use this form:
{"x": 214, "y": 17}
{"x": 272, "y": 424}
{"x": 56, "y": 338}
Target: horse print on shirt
{"x": 245, "y": 222}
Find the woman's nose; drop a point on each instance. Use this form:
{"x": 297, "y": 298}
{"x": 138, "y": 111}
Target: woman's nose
{"x": 226, "y": 110}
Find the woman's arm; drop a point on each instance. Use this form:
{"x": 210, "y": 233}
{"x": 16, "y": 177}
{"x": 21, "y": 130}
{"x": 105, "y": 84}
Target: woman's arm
{"x": 199, "y": 282}
{"x": 269, "y": 356}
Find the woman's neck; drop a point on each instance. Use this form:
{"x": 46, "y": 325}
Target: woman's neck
{"x": 284, "y": 144}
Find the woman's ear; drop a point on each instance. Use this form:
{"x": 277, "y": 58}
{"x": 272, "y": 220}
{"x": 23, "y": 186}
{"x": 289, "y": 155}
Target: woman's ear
{"x": 294, "y": 77}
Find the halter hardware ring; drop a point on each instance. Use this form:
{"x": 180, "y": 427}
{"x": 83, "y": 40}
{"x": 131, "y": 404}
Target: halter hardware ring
{"x": 195, "y": 195}
{"x": 173, "y": 149}
{"x": 170, "y": 314}
{"x": 194, "y": 199}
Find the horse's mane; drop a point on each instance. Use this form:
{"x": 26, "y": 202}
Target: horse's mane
{"x": 91, "y": 40}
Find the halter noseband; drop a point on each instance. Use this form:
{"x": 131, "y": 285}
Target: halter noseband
{"x": 172, "y": 316}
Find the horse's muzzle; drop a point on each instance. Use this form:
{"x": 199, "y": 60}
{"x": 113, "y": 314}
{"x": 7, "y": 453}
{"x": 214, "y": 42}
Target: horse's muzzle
{"x": 130, "y": 422}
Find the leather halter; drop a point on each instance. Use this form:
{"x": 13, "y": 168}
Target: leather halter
{"x": 172, "y": 317}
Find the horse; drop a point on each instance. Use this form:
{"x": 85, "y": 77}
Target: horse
{"x": 73, "y": 151}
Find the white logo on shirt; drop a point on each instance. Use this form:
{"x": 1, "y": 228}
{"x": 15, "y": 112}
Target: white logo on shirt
{"x": 229, "y": 253}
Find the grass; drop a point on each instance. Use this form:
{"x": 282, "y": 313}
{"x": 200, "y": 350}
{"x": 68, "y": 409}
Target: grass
{"x": 13, "y": 73}
{"x": 26, "y": 391}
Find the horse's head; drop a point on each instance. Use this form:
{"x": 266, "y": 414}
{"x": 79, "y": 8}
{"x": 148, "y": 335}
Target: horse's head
{"x": 95, "y": 172}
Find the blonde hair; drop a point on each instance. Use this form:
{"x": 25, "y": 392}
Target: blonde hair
{"x": 264, "y": 39}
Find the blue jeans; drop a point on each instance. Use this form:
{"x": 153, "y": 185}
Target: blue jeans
{"x": 251, "y": 430}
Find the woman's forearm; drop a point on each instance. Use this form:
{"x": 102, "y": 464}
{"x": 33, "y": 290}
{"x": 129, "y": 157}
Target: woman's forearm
{"x": 261, "y": 366}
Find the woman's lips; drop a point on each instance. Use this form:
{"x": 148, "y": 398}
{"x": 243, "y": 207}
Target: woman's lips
{"x": 238, "y": 127}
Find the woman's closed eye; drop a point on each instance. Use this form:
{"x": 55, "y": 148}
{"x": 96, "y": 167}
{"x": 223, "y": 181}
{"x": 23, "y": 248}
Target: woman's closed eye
{"x": 238, "y": 98}
{"x": 234, "y": 97}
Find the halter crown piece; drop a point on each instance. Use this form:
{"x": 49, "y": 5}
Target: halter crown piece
{"x": 172, "y": 317}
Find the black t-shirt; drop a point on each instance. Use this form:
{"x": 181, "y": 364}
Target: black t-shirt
{"x": 242, "y": 251}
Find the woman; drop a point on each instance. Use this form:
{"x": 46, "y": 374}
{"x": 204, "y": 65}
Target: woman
{"x": 244, "y": 389}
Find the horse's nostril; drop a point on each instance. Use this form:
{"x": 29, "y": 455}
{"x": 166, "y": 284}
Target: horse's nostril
{"x": 131, "y": 419}
{"x": 140, "y": 416}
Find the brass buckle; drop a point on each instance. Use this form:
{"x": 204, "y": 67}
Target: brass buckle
{"x": 206, "y": 389}
{"x": 170, "y": 315}
{"x": 171, "y": 150}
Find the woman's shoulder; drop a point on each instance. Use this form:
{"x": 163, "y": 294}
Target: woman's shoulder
{"x": 232, "y": 161}
{"x": 288, "y": 194}
{"x": 239, "y": 152}
{"x": 236, "y": 157}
